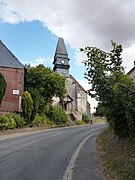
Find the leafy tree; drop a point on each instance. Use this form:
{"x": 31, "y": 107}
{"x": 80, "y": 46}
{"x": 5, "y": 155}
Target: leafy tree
{"x": 112, "y": 87}
{"x": 27, "y": 106}
{"x": 57, "y": 115}
{"x": 35, "y": 97}
{"x": 48, "y": 84}
{"x": 2, "y": 87}
{"x": 100, "y": 110}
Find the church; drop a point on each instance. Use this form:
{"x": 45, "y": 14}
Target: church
{"x": 75, "y": 102}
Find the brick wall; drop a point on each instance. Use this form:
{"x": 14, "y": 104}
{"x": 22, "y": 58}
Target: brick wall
{"x": 15, "y": 80}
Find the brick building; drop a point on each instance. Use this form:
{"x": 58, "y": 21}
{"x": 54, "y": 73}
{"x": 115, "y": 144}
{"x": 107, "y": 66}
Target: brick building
{"x": 13, "y": 72}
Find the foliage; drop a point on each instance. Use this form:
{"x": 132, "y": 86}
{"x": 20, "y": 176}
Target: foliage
{"x": 27, "y": 106}
{"x": 78, "y": 122}
{"x": 41, "y": 120}
{"x": 38, "y": 120}
{"x": 112, "y": 87}
{"x": 116, "y": 156}
{"x": 35, "y": 97}
{"x": 20, "y": 122}
{"x": 100, "y": 110}
{"x": 57, "y": 115}
{"x": 47, "y": 82}
{"x": 85, "y": 118}
{"x": 2, "y": 87}
{"x": 7, "y": 122}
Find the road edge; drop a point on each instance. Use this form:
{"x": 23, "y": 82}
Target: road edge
{"x": 69, "y": 170}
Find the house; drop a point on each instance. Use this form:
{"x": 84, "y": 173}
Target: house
{"x": 13, "y": 72}
{"x": 131, "y": 73}
{"x": 75, "y": 102}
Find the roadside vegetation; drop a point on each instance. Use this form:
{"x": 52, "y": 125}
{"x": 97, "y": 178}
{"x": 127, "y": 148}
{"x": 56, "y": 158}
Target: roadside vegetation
{"x": 116, "y": 95}
{"x": 2, "y": 87}
{"x": 40, "y": 85}
{"x": 117, "y": 156}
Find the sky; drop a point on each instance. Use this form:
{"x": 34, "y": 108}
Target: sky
{"x": 30, "y": 29}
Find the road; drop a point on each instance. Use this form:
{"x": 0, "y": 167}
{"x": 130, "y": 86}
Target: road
{"x": 41, "y": 156}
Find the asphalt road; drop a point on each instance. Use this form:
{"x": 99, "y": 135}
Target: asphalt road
{"x": 41, "y": 156}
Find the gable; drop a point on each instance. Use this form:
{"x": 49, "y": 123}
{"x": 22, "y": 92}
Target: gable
{"x": 7, "y": 59}
{"x": 77, "y": 83}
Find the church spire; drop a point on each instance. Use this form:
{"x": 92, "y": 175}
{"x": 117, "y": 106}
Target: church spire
{"x": 61, "y": 60}
{"x": 61, "y": 50}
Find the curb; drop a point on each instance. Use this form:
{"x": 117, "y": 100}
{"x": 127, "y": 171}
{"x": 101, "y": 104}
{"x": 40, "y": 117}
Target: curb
{"x": 69, "y": 170}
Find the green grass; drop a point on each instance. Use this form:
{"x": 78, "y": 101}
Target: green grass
{"x": 117, "y": 156}
{"x": 98, "y": 120}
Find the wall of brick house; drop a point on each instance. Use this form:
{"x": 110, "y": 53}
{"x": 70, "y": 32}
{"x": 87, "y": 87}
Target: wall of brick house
{"x": 15, "y": 81}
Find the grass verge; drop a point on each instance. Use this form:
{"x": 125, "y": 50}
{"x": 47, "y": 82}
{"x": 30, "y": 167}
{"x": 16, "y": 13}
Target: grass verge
{"x": 117, "y": 156}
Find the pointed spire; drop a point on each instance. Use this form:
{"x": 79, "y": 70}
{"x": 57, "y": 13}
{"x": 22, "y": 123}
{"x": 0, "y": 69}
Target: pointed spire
{"x": 61, "y": 49}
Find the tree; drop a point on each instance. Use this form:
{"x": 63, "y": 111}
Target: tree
{"x": 100, "y": 110}
{"x": 47, "y": 82}
{"x": 27, "y": 106}
{"x": 112, "y": 87}
{"x": 35, "y": 97}
{"x": 2, "y": 87}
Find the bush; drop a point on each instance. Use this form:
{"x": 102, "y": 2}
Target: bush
{"x": 85, "y": 118}
{"x": 20, "y": 122}
{"x": 35, "y": 97}
{"x": 2, "y": 87}
{"x": 27, "y": 106}
{"x": 7, "y": 122}
{"x": 38, "y": 120}
{"x": 58, "y": 116}
{"x": 78, "y": 122}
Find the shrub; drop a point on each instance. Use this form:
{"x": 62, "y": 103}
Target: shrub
{"x": 7, "y": 122}
{"x": 38, "y": 120}
{"x": 78, "y": 122}
{"x": 57, "y": 115}
{"x": 27, "y": 106}
{"x": 41, "y": 120}
{"x": 20, "y": 122}
{"x": 35, "y": 97}
{"x": 2, "y": 87}
{"x": 85, "y": 118}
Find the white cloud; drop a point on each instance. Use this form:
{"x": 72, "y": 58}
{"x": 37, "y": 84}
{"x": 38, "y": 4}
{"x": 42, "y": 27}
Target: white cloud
{"x": 81, "y": 23}
{"x": 128, "y": 57}
{"x": 35, "y": 62}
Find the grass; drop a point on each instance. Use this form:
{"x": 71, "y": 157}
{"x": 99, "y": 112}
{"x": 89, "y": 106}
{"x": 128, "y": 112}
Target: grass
{"x": 117, "y": 156}
{"x": 98, "y": 120}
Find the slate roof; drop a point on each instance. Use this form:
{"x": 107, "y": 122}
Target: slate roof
{"x": 61, "y": 50}
{"x": 7, "y": 59}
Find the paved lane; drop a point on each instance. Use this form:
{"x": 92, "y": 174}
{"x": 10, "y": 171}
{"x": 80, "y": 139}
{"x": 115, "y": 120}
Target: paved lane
{"x": 43, "y": 155}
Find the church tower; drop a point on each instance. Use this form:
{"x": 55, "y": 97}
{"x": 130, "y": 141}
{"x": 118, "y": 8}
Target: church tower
{"x": 61, "y": 60}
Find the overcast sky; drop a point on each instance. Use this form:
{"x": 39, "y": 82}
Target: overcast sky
{"x": 80, "y": 22}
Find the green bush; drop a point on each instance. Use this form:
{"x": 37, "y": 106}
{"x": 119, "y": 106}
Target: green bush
{"x": 35, "y": 97}
{"x": 38, "y": 120}
{"x": 7, "y": 123}
{"x": 20, "y": 122}
{"x": 79, "y": 122}
{"x": 58, "y": 116}
{"x": 2, "y": 87}
{"x": 27, "y": 106}
{"x": 85, "y": 118}
{"x": 41, "y": 120}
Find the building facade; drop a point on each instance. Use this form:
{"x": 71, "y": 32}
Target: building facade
{"x": 13, "y": 72}
{"x": 131, "y": 73}
{"x": 75, "y": 102}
